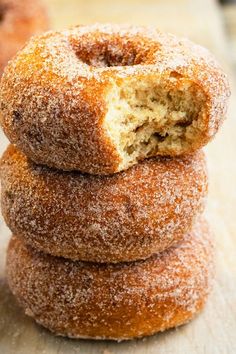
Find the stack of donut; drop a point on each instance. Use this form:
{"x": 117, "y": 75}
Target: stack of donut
{"x": 109, "y": 240}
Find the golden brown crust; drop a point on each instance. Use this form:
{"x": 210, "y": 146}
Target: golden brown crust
{"x": 53, "y": 95}
{"x": 121, "y": 217}
{"x": 118, "y": 301}
{"x": 19, "y": 20}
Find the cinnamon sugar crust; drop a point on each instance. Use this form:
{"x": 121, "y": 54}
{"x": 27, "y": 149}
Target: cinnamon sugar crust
{"x": 122, "y": 217}
{"x": 100, "y": 98}
{"x": 119, "y": 301}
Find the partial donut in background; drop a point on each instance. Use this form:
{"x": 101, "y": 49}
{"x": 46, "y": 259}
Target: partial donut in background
{"x": 19, "y": 20}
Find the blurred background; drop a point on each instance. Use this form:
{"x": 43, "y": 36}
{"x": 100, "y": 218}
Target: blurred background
{"x": 200, "y": 20}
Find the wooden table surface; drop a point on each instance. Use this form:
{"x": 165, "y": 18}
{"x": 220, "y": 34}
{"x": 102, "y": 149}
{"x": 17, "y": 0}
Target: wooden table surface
{"x": 214, "y": 331}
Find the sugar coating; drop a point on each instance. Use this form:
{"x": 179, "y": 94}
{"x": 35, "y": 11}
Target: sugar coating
{"x": 54, "y": 95}
{"x": 119, "y": 301}
{"x": 19, "y": 20}
{"x": 121, "y": 217}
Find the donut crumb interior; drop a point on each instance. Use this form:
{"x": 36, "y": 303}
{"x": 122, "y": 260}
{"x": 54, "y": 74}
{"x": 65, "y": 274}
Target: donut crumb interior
{"x": 153, "y": 116}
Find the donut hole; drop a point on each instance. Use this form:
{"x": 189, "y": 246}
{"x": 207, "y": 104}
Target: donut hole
{"x": 106, "y": 53}
{"x": 109, "y": 57}
{"x": 154, "y": 117}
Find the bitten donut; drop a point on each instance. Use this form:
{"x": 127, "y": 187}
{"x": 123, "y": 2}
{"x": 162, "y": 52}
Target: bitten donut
{"x": 99, "y": 98}
{"x": 19, "y": 20}
{"x": 122, "y": 217}
{"x": 119, "y": 301}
